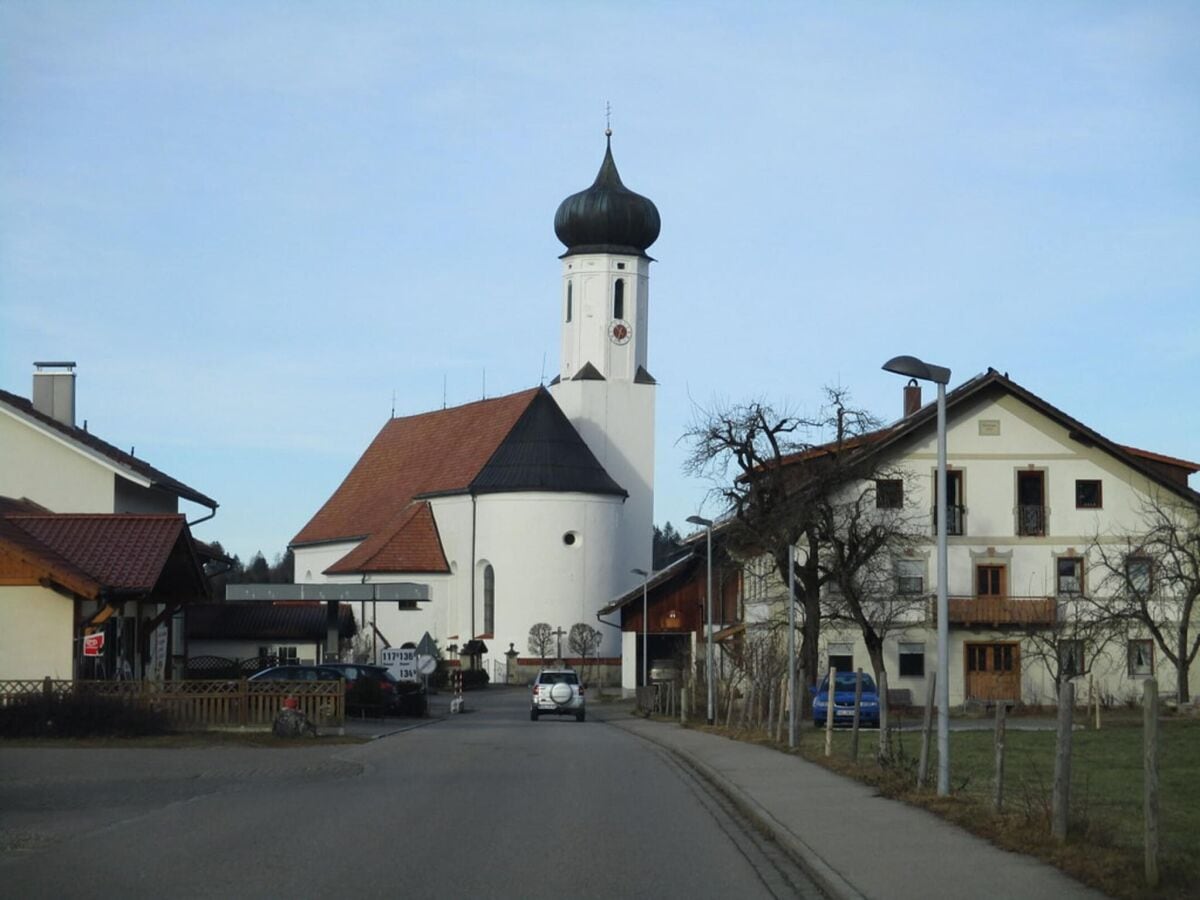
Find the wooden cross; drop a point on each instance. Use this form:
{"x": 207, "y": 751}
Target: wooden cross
{"x": 559, "y": 634}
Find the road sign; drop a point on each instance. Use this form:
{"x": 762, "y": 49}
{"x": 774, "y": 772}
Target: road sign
{"x": 93, "y": 644}
{"x": 401, "y": 662}
{"x": 426, "y": 665}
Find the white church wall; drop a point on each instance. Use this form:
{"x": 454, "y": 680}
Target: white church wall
{"x": 616, "y": 420}
{"x": 312, "y": 561}
{"x": 540, "y": 577}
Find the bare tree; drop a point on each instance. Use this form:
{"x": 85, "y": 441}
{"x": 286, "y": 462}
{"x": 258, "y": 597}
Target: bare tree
{"x": 786, "y": 483}
{"x": 584, "y": 641}
{"x": 862, "y": 535}
{"x": 1151, "y": 580}
{"x": 1069, "y": 645}
{"x": 541, "y": 639}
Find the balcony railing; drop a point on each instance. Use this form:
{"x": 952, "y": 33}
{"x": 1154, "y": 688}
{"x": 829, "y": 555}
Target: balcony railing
{"x": 955, "y": 516}
{"x": 1031, "y": 520}
{"x": 997, "y": 611}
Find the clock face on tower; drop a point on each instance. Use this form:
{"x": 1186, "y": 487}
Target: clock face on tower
{"x": 619, "y": 331}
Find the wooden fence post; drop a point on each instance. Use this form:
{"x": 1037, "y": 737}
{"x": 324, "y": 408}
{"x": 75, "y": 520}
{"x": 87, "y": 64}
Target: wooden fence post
{"x": 829, "y": 712}
{"x": 47, "y": 689}
{"x": 885, "y": 738}
{"x": 926, "y": 732}
{"x": 857, "y": 705}
{"x": 998, "y": 788}
{"x": 1060, "y": 801}
{"x": 1150, "y": 762}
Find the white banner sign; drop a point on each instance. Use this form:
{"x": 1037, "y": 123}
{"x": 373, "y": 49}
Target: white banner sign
{"x": 401, "y": 662}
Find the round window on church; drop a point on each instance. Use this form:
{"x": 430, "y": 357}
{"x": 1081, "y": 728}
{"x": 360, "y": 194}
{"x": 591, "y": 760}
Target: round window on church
{"x": 571, "y": 538}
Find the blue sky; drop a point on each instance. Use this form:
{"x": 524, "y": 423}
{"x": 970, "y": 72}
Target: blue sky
{"x": 250, "y": 223}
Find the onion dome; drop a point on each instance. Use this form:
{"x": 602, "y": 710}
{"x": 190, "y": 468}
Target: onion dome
{"x": 607, "y": 217}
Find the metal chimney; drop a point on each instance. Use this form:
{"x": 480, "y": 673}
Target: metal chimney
{"x": 54, "y": 390}
{"x": 912, "y": 397}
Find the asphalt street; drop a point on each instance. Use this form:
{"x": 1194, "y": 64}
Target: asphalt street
{"x": 486, "y": 803}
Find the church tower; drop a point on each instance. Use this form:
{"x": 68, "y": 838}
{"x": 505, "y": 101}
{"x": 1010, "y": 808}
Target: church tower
{"x": 604, "y": 385}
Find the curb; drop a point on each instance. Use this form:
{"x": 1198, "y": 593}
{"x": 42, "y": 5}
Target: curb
{"x": 831, "y": 882}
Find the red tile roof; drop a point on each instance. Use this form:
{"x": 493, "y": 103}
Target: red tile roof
{"x": 435, "y": 452}
{"x": 119, "y": 551}
{"x": 410, "y": 543}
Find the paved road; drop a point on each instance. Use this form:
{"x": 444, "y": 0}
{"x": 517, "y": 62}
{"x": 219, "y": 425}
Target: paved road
{"x": 485, "y": 804}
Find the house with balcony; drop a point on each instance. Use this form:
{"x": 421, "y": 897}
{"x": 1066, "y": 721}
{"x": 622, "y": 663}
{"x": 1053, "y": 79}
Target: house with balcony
{"x": 1044, "y": 515}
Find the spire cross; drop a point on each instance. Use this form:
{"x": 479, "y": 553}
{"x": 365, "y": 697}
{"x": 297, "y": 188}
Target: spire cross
{"x": 607, "y": 119}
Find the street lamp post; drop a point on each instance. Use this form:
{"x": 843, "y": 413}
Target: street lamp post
{"x": 792, "y": 710}
{"x": 915, "y": 368}
{"x": 645, "y": 628}
{"x": 708, "y": 643}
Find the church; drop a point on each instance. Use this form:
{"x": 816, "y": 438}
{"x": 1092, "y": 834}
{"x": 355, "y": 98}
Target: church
{"x": 532, "y": 507}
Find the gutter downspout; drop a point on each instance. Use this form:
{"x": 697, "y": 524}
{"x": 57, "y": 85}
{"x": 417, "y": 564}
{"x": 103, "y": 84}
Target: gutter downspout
{"x": 472, "y": 565}
{"x": 212, "y": 513}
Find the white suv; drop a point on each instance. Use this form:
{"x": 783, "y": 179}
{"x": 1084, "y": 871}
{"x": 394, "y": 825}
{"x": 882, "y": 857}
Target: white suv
{"x": 557, "y": 692}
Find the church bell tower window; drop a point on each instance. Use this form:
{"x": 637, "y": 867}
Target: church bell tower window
{"x": 569, "y": 299}
{"x": 619, "y": 299}
{"x": 489, "y": 600}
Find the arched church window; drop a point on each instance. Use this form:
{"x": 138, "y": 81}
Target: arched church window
{"x": 569, "y": 299}
{"x": 619, "y": 299}
{"x": 489, "y": 600}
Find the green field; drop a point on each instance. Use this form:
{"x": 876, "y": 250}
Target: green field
{"x": 1104, "y": 846}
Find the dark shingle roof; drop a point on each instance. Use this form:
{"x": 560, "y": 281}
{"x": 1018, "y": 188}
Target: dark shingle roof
{"x": 544, "y": 452}
{"x": 118, "y": 457}
{"x": 291, "y": 620}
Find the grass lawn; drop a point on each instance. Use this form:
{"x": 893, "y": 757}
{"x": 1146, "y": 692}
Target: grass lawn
{"x": 1104, "y": 847}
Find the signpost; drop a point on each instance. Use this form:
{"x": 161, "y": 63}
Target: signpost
{"x": 401, "y": 662}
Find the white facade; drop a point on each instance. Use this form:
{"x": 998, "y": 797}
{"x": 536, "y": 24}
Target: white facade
{"x": 993, "y": 444}
{"x": 36, "y": 625}
{"x": 613, "y": 414}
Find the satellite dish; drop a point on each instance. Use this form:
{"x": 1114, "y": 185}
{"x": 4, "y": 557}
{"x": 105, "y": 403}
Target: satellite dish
{"x": 426, "y": 665}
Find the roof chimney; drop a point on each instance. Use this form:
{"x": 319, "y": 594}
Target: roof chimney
{"x": 54, "y": 391}
{"x": 912, "y": 397}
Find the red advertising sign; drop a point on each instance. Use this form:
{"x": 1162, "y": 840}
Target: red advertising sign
{"x": 93, "y": 644}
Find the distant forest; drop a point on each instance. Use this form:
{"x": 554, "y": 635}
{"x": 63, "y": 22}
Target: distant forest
{"x": 257, "y": 571}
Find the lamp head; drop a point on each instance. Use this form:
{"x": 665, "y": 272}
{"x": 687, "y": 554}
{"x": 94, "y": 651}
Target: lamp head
{"x": 916, "y": 368}
{"x": 701, "y": 521}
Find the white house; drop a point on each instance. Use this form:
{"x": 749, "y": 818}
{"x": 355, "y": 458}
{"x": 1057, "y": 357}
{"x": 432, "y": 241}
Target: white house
{"x": 1034, "y": 500}
{"x": 527, "y": 508}
{"x": 91, "y": 541}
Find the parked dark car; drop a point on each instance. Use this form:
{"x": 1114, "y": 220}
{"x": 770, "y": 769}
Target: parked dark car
{"x": 371, "y": 688}
{"x": 297, "y": 673}
{"x": 843, "y": 701}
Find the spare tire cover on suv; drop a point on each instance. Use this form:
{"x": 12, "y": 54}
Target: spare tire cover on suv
{"x": 561, "y": 693}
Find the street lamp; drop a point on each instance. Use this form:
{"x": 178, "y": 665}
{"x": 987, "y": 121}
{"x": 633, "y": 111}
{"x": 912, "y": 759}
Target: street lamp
{"x": 645, "y": 627}
{"x": 915, "y": 368}
{"x": 708, "y": 645}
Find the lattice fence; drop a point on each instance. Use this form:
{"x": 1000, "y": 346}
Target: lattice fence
{"x": 204, "y": 704}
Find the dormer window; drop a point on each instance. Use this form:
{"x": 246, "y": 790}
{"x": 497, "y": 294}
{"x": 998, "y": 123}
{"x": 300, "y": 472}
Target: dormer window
{"x": 569, "y": 299}
{"x": 619, "y": 299}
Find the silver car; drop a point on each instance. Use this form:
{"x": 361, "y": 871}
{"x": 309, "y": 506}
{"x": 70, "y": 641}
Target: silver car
{"x": 557, "y": 692}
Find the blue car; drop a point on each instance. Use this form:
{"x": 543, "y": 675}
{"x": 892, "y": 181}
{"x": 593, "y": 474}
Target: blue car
{"x": 843, "y": 701}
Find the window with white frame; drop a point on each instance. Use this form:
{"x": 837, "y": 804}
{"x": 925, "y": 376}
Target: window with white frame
{"x": 1141, "y": 658}
{"x": 288, "y": 656}
{"x": 910, "y": 576}
{"x": 912, "y": 660}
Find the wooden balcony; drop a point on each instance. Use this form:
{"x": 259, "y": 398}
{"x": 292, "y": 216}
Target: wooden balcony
{"x": 1000, "y": 611}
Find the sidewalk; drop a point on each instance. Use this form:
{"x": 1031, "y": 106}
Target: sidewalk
{"x": 851, "y": 841}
